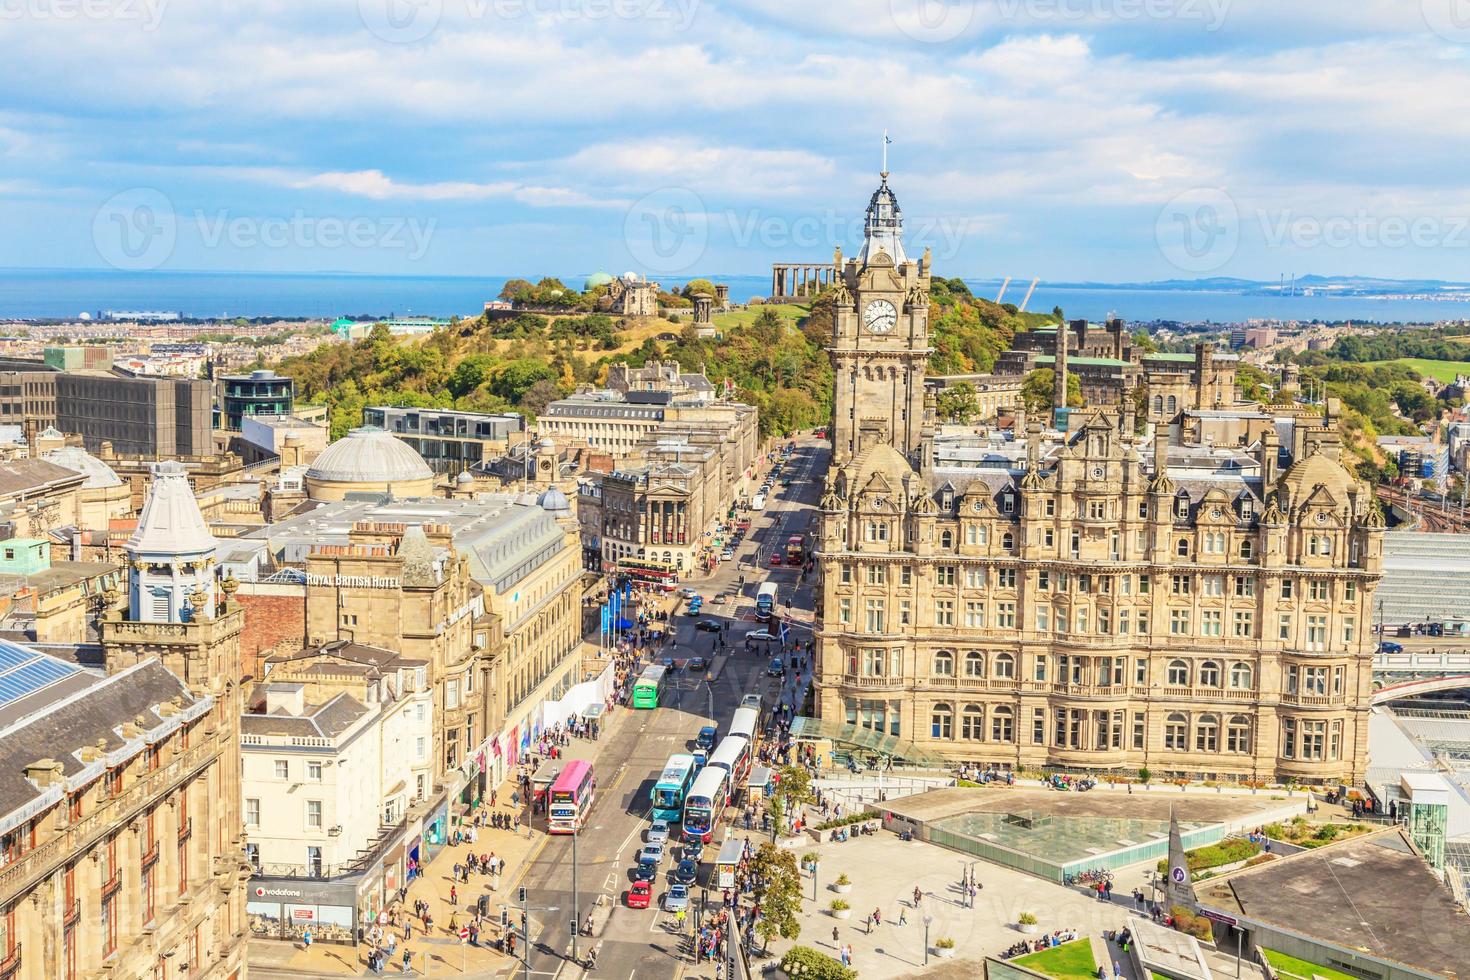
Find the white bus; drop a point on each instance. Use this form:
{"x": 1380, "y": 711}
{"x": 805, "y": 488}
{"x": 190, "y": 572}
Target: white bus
{"x": 765, "y": 600}
{"x": 733, "y": 756}
{"x": 704, "y": 803}
{"x": 744, "y": 723}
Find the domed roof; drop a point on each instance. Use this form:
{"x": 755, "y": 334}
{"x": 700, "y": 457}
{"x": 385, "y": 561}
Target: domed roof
{"x": 99, "y": 475}
{"x": 598, "y": 279}
{"x": 554, "y": 500}
{"x": 1304, "y": 476}
{"x": 369, "y": 455}
{"x": 545, "y": 443}
{"x": 170, "y": 523}
{"x": 527, "y": 499}
{"x": 464, "y": 477}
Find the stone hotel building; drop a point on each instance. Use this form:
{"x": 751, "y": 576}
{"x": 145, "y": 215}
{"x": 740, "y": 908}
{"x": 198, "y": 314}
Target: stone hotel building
{"x": 1103, "y": 598}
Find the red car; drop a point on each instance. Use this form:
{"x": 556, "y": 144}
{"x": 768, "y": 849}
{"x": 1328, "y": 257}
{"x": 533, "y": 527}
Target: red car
{"x": 640, "y": 895}
{"x": 775, "y": 559}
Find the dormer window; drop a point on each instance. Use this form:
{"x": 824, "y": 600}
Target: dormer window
{"x": 1181, "y": 506}
{"x": 1008, "y": 503}
{"x": 1245, "y": 508}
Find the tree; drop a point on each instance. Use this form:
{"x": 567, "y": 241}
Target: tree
{"x": 513, "y": 289}
{"x": 698, "y": 286}
{"x": 805, "y": 963}
{"x": 514, "y": 378}
{"x": 794, "y": 788}
{"x": 778, "y": 889}
{"x": 539, "y": 395}
{"x": 470, "y": 373}
{"x": 1036, "y": 390}
{"x": 957, "y": 403}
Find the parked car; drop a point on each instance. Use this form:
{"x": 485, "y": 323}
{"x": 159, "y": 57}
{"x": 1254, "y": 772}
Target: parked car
{"x": 659, "y": 832}
{"x": 708, "y": 626}
{"x": 640, "y": 895}
{"x": 693, "y": 850}
{"x": 776, "y": 669}
{"x": 727, "y": 554}
{"x": 706, "y": 737}
{"x": 1388, "y": 646}
{"x": 686, "y": 872}
{"x": 653, "y": 853}
{"x": 676, "y": 899}
{"x": 645, "y": 871}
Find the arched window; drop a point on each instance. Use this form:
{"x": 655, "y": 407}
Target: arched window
{"x": 972, "y": 723}
{"x": 1158, "y": 404}
{"x": 1247, "y": 550}
{"x": 1178, "y": 673}
{"x": 1182, "y": 548}
{"x": 1176, "y": 732}
{"x": 1007, "y": 541}
{"x": 1002, "y": 725}
{"x": 974, "y": 664}
{"x": 941, "y": 721}
{"x": 1207, "y": 734}
{"x": 943, "y": 664}
{"x": 1173, "y": 404}
{"x": 1005, "y": 665}
{"x": 1238, "y": 734}
{"x": 1209, "y": 674}
{"x": 1241, "y": 676}
{"x": 946, "y": 539}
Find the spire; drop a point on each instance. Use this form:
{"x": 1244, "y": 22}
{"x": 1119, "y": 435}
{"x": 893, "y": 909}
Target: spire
{"x": 883, "y": 229}
{"x": 171, "y": 554}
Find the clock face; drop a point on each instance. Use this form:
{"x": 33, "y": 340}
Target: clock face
{"x": 880, "y": 316}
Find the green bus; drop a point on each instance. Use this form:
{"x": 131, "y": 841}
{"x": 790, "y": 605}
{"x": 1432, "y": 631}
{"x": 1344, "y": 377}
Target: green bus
{"x": 648, "y": 689}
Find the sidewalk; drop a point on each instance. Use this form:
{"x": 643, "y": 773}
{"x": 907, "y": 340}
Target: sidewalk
{"x": 446, "y": 955}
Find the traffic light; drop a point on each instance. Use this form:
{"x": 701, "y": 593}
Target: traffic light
{"x": 521, "y": 895}
{"x": 504, "y": 919}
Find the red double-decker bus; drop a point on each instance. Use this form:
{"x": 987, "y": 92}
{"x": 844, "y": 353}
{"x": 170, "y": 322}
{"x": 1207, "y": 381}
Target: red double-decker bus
{"x": 796, "y": 550}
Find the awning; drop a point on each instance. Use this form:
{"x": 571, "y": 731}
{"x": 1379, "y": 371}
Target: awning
{"x": 593, "y": 711}
{"x": 866, "y": 740}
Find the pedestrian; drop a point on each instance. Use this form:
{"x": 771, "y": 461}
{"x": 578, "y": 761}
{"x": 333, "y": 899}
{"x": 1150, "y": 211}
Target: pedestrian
{"x": 306, "y": 938}
{"x": 453, "y": 894}
{"x": 407, "y": 957}
{"x": 834, "y": 935}
{"x": 903, "y": 916}
{"x": 878, "y": 917}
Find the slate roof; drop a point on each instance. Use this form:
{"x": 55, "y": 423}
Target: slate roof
{"x": 20, "y": 475}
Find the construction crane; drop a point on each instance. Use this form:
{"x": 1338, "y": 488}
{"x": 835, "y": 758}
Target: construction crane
{"x": 1001, "y": 295}
{"x": 1022, "y": 308}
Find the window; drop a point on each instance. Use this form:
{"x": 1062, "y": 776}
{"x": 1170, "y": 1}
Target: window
{"x": 906, "y": 575}
{"x": 975, "y": 578}
{"x": 877, "y": 531}
{"x": 252, "y": 812}
{"x": 1209, "y": 674}
{"x": 1247, "y": 550}
{"x": 876, "y": 574}
{"x": 1005, "y": 665}
{"x": 149, "y": 894}
{"x": 974, "y": 664}
{"x": 1207, "y": 734}
{"x": 1316, "y": 632}
{"x": 1241, "y": 676}
{"x": 1288, "y": 738}
{"x": 846, "y": 575}
{"x": 1007, "y": 541}
{"x": 975, "y": 615}
{"x": 1245, "y": 625}
{"x": 946, "y": 539}
{"x": 1038, "y": 726}
{"x": 972, "y": 724}
{"x": 283, "y": 769}
{"x": 1313, "y": 738}
{"x": 314, "y": 861}
{"x": 1245, "y": 586}
{"x": 1005, "y": 615}
{"x": 314, "y": 814}
{"x": 1039, "y": 670}
{"x": 1286, "y": 588}
{"x": 1002, "y": 724}
{"x": 1043, "y": 619}
{"x": 1210, "y": 622}
{"x": 976, "y": 534}
{"x": 1176, "y": 732}
{"x": 1178, "y": 673}
{"x": 314, "y": 771}
{"x": 1238, "y": 734}
{"x": 1349, "y": 629}
{"x": 1181, "y": 548}
{"x": 1350, "y": 590}
{"x": 1314, "y": 680}
{"x": 1180, "y": 584}
{"x": 941, "y": 721}
{"x": 1138, "y": 730}
{"x": 1283, "y": 627}
{"x": 109, "y": 925}
{"x": 1143, "y": 584}
{"x": 944, "y": 575}
{"x": 874, "y": 611}
{"x": 1005, "y": 578}
{"x": 1179, "y": 622}
{"x": 1317, "y": 590}
{"x": 944, "y": 664}
{"x": 844, "y": 610}
{"x": 1212, "y": 585}
{"x": 944, "y": 612}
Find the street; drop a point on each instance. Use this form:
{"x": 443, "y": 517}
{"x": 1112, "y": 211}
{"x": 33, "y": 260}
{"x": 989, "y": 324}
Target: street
{"x": 643, "y": 941}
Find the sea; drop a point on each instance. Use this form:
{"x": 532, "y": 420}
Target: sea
{"x": 66, "y": 294}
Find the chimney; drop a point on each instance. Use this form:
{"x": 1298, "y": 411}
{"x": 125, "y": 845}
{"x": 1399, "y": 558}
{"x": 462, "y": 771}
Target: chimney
{"x": 285, "y": 698}
{"x": 1118, "y": 329}
{"x": 1204, "y": 365}
{"x": 1059, "y": 377}
{"x": 1270, "y": 455}
{"x": 1161, "y": 449}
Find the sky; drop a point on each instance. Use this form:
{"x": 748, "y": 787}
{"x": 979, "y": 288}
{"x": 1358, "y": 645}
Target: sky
{"x": 1072, "y": 140}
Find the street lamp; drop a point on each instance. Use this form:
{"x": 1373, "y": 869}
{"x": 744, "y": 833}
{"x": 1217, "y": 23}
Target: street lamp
{"x": 928, "y": 921}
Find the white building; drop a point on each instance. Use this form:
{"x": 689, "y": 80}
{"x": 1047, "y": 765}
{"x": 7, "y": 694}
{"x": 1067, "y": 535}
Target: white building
{"x": 337, "y": 750}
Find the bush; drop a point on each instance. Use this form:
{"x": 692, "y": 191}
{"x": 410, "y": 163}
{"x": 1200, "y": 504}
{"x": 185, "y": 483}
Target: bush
{"x": 805, "y": 963}
{"x": 1227, "y": 851}
{"x": 1195, "y": 925}
{"x": 839, "y": 905}
{"x": 851, "y": 818}
{"x": 1144, "y": 776}
{"x": 1027, "y": 919}
{"x": 843, "y": 879}
{"x": 944, "y": 942}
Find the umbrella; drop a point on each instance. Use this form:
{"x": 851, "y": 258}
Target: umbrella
{"x": 625, "y": 624}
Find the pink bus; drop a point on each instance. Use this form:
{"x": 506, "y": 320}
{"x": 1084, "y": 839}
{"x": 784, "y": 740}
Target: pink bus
{"x": 571, "y": 798}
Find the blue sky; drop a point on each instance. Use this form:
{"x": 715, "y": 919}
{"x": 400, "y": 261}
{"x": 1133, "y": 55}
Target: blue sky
{"x": 1111, "y": 140}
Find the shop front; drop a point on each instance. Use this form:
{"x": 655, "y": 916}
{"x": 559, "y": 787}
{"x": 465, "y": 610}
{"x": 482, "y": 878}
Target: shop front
{"x": 285, "y": 908}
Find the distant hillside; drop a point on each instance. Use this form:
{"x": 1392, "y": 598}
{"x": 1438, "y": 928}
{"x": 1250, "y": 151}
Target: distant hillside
{"x": 774, "y": 356}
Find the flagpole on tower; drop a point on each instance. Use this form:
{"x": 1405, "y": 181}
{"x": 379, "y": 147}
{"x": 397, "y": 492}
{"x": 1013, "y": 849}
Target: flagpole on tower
{"x": 886, "y": 141}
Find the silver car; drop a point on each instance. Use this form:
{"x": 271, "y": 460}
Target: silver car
{"x": 676, "y": 899}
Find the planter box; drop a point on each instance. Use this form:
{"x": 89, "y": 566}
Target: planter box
{"x": 841, "y": 889}
{"x": 841, "y": 913}
{"x": 943, "y": 953}
{"x": 1029, "y": 930}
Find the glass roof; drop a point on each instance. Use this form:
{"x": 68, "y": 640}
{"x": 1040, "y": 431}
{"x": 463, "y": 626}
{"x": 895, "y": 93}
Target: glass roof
{"x": 865, "y": 740}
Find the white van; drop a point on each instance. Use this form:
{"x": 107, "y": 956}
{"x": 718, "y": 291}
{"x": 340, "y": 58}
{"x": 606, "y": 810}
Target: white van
{"x": 758, "y": 502}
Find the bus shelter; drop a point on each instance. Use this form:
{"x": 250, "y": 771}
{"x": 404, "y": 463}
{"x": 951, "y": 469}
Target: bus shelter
{"x": 727, "y": 862}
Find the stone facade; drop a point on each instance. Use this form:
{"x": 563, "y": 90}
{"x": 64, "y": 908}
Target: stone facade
{"x": 1098, "y": 600}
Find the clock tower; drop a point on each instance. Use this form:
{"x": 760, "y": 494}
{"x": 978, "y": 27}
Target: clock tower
{"x": 880, "y": 338}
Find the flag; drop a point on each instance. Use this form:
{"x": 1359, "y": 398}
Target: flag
{"x": 785, "y": 631}
{"x": 606, "y": 618}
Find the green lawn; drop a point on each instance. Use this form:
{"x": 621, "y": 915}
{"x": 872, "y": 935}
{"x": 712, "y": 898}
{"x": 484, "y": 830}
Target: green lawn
{"x": 745, "y": 317}
{"x": 1069, "y": 961}
{"x": 1291, "y": 968}
{"x": 1442, "y": 371}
